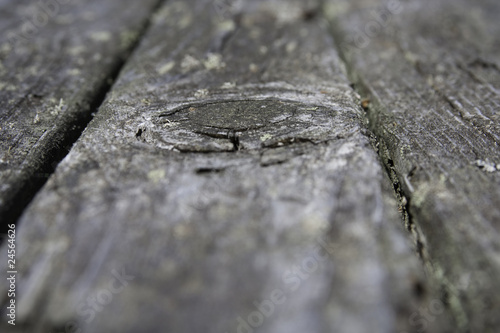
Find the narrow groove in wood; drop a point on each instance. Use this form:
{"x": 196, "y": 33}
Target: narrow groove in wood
{"x": 50, "y": 158}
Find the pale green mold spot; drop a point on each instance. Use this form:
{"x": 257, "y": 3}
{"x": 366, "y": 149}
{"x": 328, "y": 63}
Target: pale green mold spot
{"x": 156, "y": 175}
{"x": 58, "y": 108}
{"x": 185, "y": 21}
{"x": 127, "y": 38}
{"x": 214, "y": 61}
{"x": 226, "y": 26}
{"x": 74, "y": 72}
{"x": 101, "y": 36}
{"x": 333, "y": 9}
{"x": 265, "y": 137}
{"x": 189, "y": 63}
{"x": 75, "y": 51}
{"x": 166, "y": 68}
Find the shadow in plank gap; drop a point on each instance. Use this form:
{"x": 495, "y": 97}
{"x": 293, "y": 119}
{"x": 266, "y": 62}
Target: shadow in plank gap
{"x": 430, "y": 71}
{"x": 57, "y": 62}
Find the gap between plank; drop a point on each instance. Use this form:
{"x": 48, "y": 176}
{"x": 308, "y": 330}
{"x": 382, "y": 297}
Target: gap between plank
{"x": 75, "y": 127}
{"x": 387, "y": 161}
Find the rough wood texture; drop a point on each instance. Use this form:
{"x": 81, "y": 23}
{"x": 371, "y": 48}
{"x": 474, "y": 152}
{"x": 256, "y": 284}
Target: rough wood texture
{"x": 56, "y": 62}
{"x": 228, "y": 166}
{"x": 431, "y": 71}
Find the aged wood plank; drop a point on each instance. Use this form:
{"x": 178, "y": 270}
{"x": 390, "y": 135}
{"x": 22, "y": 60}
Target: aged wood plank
{"x": 431, "y": 71}
{"x": 228, "y": 172}
{"x": 56, "y": 62}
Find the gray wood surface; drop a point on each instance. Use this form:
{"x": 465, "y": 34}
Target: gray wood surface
{"x": 57, "y": 60}
{"x": 431, "y": 73}
{"x": 229, "y": 165}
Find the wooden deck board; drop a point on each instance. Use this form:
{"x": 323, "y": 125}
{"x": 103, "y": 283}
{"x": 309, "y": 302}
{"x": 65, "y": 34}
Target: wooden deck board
{"x": 229, "y": 163}
{"x": 56, "y": 63}
{"x": 230, "y": 180}
{"x": 431, "y": 73}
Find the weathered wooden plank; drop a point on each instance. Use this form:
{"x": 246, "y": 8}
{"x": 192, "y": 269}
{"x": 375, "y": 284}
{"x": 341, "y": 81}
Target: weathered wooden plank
{"x": 431, "y": 73}
{"x": 57, "y": 59}
{"x": 228, "y": 167}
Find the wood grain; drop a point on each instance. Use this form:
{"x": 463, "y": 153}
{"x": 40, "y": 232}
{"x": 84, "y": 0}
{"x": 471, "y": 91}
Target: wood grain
{"x": 57, "y": 59}
{"x": 229, "y": 167}
{"x": 430, "y": 71}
